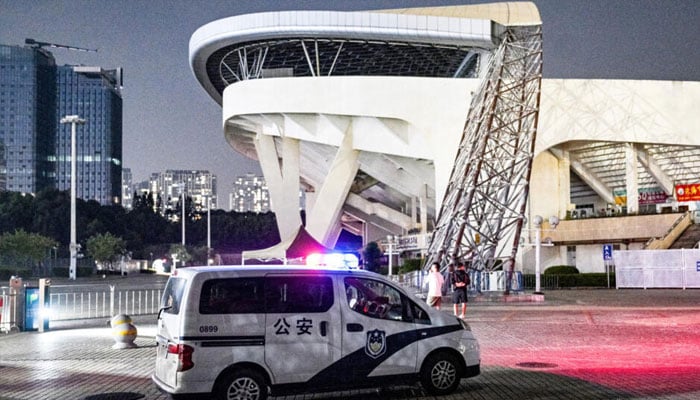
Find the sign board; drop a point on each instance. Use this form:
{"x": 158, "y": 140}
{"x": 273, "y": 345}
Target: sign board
{"x": 697, "y": 266}
{"x": 31, "y": 311}
{"x": 647, "y": 196}
{"x": 33, "y": 317}
{"x": 688, "y": 192}
{"x": 607, "y": 252}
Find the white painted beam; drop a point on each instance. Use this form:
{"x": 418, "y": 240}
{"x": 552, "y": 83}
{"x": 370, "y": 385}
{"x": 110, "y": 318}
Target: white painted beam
{"x": 380, "y": 211}
{"x": 282, "y": 181}
{"x": 322, "y": 220}
{"x": 654, "y": 170}
{"x": 587, "y": 176}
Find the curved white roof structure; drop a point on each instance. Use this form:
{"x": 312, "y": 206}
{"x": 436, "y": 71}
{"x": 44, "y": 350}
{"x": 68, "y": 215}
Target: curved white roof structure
{"x": 366, "y": 110}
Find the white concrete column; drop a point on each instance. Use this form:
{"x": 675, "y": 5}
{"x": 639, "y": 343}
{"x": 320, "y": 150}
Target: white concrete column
{"x": 564, "y": 189}
{"x": 424, "y": 211}
{"x": 310, "y": 201}
{"x": 631, "y": 178}
{"x": 321, "y": 220}
{"x": 414, "y": 211}
{"x": 282, "y": 181}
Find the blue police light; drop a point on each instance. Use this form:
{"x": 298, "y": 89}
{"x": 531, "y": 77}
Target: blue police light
{"x": 334, "y": 260}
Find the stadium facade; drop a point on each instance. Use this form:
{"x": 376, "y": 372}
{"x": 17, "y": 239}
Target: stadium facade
{"x": 366, "y": 110}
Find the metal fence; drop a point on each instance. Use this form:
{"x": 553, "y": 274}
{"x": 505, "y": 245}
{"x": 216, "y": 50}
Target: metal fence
{"x": 82, "y": 302}
{"x": 480, "y": 281}
{"x": 673, "y": 268}
{"x": 548, "y": 282}
{"x": 98, "y": 301}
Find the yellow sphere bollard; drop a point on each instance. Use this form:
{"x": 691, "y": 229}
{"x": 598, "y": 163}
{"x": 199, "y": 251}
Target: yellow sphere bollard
{"x": 123, "y": 332}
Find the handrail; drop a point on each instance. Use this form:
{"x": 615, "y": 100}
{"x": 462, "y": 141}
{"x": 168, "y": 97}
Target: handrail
{"x": 673, "y": 233}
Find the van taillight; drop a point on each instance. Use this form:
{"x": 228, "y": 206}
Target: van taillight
{"x": 184, "y": 355}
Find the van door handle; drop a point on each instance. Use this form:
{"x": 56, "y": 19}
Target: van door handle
{"x": 324, "y": 327}
{"x": 355, "y": 327}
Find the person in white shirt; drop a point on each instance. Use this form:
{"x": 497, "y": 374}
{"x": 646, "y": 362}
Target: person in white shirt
{"x": 435, "y": 282}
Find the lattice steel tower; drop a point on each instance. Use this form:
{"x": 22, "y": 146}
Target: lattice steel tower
{"x": 484, "y": 205}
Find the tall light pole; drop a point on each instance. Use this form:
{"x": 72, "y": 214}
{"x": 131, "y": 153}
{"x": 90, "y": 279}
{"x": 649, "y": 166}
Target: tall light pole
{"x": 182, "y": 207}
{"x": 73, "y": 120}
{"x": 390, "y": 240}
{"x": 537, "y": 222}
{"x": 208, "y": 228}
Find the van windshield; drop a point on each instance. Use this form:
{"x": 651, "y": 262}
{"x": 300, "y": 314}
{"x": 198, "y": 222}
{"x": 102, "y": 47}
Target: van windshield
{"x": 172, "y": 295}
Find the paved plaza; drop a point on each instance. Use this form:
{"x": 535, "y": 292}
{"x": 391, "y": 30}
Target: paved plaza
{"x": 577, "y": 344}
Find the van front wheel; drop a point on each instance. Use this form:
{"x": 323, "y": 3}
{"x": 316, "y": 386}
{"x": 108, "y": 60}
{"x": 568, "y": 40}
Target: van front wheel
{"x": 242, "y": 385}
{"x": 440, "y": 374}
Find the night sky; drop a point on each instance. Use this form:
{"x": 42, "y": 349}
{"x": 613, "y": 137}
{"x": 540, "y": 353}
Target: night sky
{"x": 171, "y": 123}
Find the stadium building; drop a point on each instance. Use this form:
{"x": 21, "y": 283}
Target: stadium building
{"x": 367, "y": 112}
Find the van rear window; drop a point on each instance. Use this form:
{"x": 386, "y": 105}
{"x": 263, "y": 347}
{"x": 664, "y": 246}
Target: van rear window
{"x": 232, "y": 296}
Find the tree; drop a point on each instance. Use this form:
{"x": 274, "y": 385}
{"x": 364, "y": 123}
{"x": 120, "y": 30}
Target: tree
{"x": 25, "y": 249}
{"x": 180, "y": 254}
{"x": 16, "y": 211}
{"x": 105, "y": 248}
{"x": 200, "y": 255}
{"x": 372, "y": 256}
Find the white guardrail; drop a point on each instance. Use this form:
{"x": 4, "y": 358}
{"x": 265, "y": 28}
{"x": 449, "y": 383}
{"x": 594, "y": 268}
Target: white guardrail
{"x": 98, "y": 301}
{"x": 81, "y": 302}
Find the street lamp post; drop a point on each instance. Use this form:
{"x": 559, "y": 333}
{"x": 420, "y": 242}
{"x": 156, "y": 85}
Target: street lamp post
{"x": 388, "y": 238}
{"x": 208, "y": 228}
{"x": 73, "y": 120}
{"x": 391, "y": 240}
{"x": 538, "y": 248}
{"x": 182, "y": 207}
{"x": 537, "y": 222}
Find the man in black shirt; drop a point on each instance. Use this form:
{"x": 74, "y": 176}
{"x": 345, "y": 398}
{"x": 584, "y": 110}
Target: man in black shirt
{"x": 460, "y": 282}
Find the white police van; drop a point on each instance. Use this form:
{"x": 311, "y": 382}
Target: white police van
{"x": 246, "y": 332}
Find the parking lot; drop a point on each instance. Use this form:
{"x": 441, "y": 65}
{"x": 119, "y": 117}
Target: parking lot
{"x": 577, "y": 344}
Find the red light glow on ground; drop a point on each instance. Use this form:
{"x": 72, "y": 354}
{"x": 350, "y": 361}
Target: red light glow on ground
{"x": 643, "y": 353}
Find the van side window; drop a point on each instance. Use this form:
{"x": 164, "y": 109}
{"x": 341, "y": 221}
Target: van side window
{"x": 172, "y": 295}
{"x": 232, "y": 296}
{"x": 377, "y": 300}
{"x": 420, "y": 316}
{"x": 298, "y": 294}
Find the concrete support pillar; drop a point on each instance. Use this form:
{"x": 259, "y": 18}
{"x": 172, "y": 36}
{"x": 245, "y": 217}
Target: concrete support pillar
{"x": 322, "y": 219}
{"x": 424, "y": 211}
{"x": 631, "y": 178}
{"x": 564, "y": 189}
{"x": 282, "y": 181}
{"x": 414, "y": 211}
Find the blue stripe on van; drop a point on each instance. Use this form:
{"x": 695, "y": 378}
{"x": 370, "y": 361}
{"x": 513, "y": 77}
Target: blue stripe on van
{"x": 226, "y": 341}
{"x": 358, "y": 365}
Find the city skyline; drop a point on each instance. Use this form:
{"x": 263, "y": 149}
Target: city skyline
{"x": 170, "y": 122}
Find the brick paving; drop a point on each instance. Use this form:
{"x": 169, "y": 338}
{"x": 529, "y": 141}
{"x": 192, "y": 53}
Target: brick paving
{"x": 577, "y": 344}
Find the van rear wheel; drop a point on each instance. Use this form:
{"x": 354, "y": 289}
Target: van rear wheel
{"x": 440, "y": 374}
{"x": 242, "y": 385}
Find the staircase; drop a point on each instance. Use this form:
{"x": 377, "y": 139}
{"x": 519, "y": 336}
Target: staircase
{"x": 688, "y": 239}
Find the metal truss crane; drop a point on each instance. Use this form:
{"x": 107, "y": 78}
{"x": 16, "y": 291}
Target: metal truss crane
{"x": 483, "y": 209}
{"x": 35, "y": 43}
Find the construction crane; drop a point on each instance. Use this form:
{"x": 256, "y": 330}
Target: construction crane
{"x": 35, "y": 43}
{"x": 484, "y": 206}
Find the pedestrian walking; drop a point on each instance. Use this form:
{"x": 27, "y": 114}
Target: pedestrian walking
{"x": 435, "y": 283}
{"x": 447, "y": 286}
{"x": 460, "y": 282}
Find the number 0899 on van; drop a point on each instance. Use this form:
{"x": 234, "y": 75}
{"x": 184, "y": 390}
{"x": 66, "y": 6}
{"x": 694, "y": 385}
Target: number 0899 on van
{"x": 249, "y": 332}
